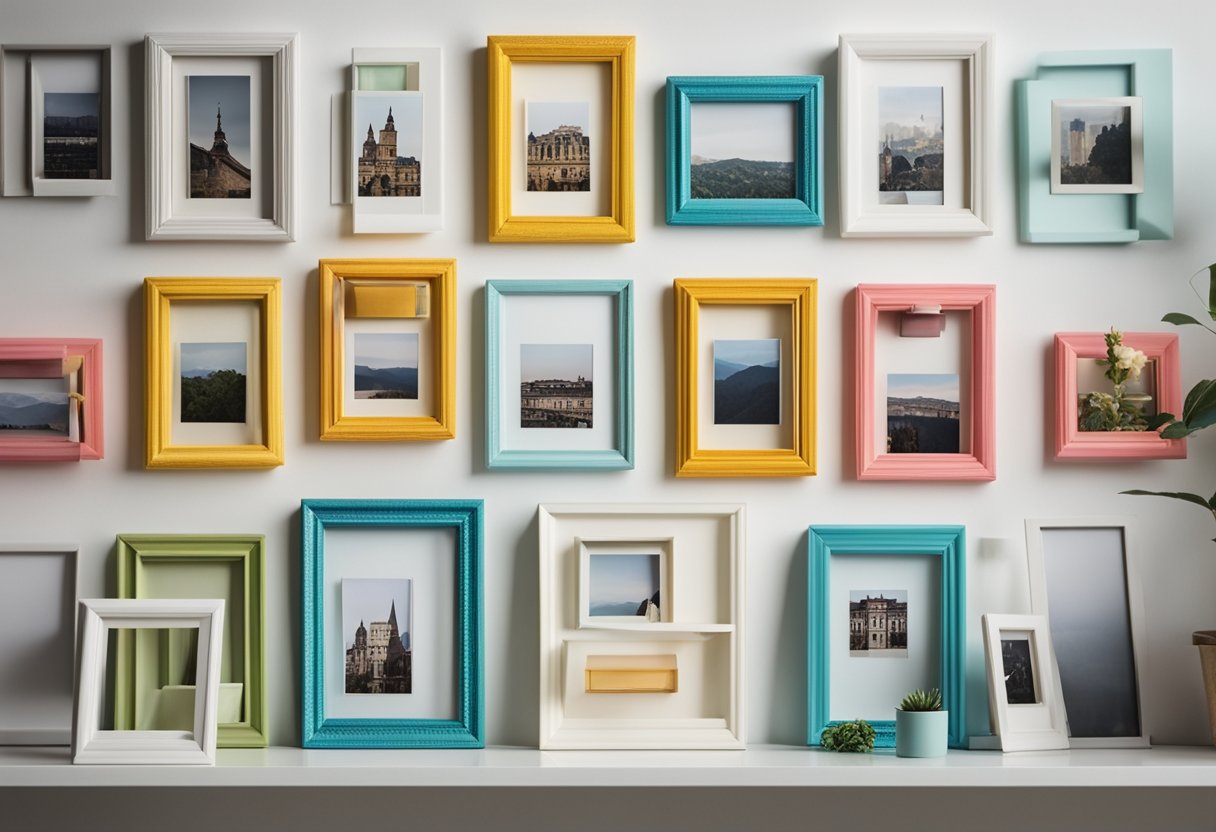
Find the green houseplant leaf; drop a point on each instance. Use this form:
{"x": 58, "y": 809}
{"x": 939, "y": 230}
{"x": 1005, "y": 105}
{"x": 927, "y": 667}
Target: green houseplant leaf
{"x": 855, "y": 736}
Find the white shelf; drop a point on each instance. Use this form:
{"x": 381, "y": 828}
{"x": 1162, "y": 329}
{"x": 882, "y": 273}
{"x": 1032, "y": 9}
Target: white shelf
{"x": 667, "y": 628}
{"x": 1174, "y": 766}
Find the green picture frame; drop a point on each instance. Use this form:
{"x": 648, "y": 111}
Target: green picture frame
{"x": 193, "y": 566}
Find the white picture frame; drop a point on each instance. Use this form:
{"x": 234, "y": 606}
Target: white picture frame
{"x": 610, "y": 547}
{"x": 1135, "y": 106}
{"x": 91, "y": 745}
{"x": 276, "y": 221}
{"x": 38, "y": 711}
{"x": 1097, "y": 702}
{"x": 970, "y": 213}
{"x": 705, "y": 636}
{"x": 1037, "y": 725}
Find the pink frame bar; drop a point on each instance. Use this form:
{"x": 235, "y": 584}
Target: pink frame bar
{"x": 980, "y": 464}
{"x": 44, "y": 358}
{"x": 1072, "y": 443}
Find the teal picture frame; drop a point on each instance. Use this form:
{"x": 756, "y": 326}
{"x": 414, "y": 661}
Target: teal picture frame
{"x": 466, "y": 518}
{"x": 499, "y": 455}
{"x": 945, "y": 542}
{"x": 804, "y": 91}
{"x": 1044, "y": 217}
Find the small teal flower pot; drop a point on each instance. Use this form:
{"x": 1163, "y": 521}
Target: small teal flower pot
{"x": 921, "y": 733}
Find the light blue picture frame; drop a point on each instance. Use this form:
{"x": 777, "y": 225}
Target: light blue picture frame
{"x": 945, "y": 542}
{"x": 1044, "y": 217}
{"x": 466, "y": 518}
{"x": 804, "y": 91}
{"x": 498, "y": 455}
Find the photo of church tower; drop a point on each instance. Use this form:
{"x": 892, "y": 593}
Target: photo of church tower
{"x": 380, "y": 659}
{"x": 382, "y": 170}
{"x": 218, "y": 173}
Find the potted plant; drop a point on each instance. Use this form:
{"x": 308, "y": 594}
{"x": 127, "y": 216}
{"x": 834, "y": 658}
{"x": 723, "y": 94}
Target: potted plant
{"x": 1198, "y": 412}
{"x": 1118, "y": 410}
{"x": 921, "y": 726}
{"x": 855, "y": 736}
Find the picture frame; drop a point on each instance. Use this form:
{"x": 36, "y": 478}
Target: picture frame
{"x": 1100, "y": 658}
{"x": 709, "y": 420}
{"x": 625, "y": 684}
{"x": 1046, "y": 216}
{"x": 35, "y": 578}
{"x": 98, "y": 616}
{"x": 607, "y": 217}
{"x": 402, "y": 310}
{"x": 803, "y": 94}
{"x": 80, "y": 117}
{"x": 971, "y": 343}
{"x": 1023, "y": 693}
{"x": 508, "y": 305}
{"x": 963, "y": 208}
{"x": 252, "y": 200}
{"x": 245, "y": 310}
{"x": 1073, "y": 443}
{"x": 463, "y": 523}
{"x": 29, "y": 366}
{"x": 892, "y": 548}
{"x": 232, "y": 567}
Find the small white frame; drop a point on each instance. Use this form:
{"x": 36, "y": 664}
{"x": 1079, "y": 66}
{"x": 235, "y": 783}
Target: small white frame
{"x": 1041, "y": 726}
{"x": 857, "y": 217}
{"x": 94, "y": 746}
{"x": 608, "y": 547}
{"x": 1036, "y": 565}
{"x": 1136, "y": 118}
{"x": 160, "y": 50}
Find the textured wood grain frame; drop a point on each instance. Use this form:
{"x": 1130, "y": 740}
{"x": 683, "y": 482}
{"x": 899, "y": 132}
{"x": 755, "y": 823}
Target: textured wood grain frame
{"x": 980, "y": 463}
{"x": 1073, "y": 443}
{"x": 137, "y": 552}
{"x": 92, "y": 408}
{"x": 618, "y": 52}
{"x": 160, "y": 293}
{"x": 800, "y": 296}
{"x": 440, "y": 275}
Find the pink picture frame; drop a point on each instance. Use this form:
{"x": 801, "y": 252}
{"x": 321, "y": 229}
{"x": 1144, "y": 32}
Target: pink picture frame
{"x": 1072, "y": 443}
{"x": 979, "y": 462}
{"x": 51, "y": 358}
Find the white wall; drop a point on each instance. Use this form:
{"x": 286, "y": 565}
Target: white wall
{"x": 74, "y": 268}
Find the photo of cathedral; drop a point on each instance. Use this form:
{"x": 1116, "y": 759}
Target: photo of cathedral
{"x": 380, "y": 657}
{"x": 217, "y": 172}
{"x": 559, "y": 150}
{"x": 390, "y": 164}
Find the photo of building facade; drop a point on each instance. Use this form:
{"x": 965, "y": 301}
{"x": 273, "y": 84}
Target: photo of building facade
{"x": 380, "y": 660}
{"x": 877, "y": 623}
{"x": 381, "y": 171}
{"x": 555, "y": 403}
{"x": 215, "y": 173}
{"x": 559, "y": 160}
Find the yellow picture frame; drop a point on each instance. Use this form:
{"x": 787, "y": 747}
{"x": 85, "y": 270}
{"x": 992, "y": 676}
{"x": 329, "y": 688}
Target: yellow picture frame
{"x": 340, "y": 278}
{"x": 160, "y": 294}
{"x": 800, "y": 296}
{"x": 502, "y": 51}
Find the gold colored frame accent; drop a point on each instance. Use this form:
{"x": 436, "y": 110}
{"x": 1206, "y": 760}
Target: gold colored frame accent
{"x": 800, "y": 295}
{"x": 617, "y": 51}
{"x": 441, "y": 278}
{"x": 159, "y": 294}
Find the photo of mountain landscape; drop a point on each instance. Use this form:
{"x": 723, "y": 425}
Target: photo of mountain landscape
{"x": 386, "y": 365}
{"x": 742, "y": 151}
{"x": 213, "y": 381}
{"x": 922, "y": 413}
{"x": 911, "y": 151}
{"x": 747, "y": 382}
{"x": 33, "y": 406}
{"x": 624, "y": 585}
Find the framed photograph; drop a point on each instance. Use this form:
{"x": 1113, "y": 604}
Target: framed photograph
{"x": 1158, "y": 389}
{"x": 51, "y": 400}
{"x": 745, "y": 377}
{"x": 393, "y": 635}
{"x": 887, "y": 614}
{"x": 56, "y": 115}
{"x": 221, "y": 121}
{"x": 1084, "y": 578}
{"x": 388, "y": 349}
{"x": 745, "y": 150}
{"x": 37, "y": 618}
{"x": 925, "y": 382}
{"x": 1095, "y": 147}
{"x": 98, "y": 617}
{"x": 559, "y": 374}
{"x": 1023, "y": 694}
{"x": 153, "y": 687}
{"x": 213, "y": 372}
{"x": 915, "y": 135}
{"x": 561, "y": 138}
{"x": 621, "y": 665}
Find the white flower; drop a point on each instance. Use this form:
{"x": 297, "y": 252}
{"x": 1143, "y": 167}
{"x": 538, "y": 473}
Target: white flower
{"x": 1127, "y": 358}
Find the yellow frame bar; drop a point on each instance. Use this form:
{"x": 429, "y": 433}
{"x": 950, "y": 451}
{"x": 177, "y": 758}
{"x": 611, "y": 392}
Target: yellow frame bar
{"x": 441, "y": 277}
{"x": 800, "y": 295}
{"x": 617, "y": 51}
{"x": 159, "y": 294}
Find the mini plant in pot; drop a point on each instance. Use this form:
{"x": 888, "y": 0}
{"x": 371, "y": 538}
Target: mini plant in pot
{"x": 855, "y": 736}
{"x": 921, "y": 726}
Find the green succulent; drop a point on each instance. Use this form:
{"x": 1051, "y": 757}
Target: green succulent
{"x": 922, "y": 700}
{"x": 855, "y": 736}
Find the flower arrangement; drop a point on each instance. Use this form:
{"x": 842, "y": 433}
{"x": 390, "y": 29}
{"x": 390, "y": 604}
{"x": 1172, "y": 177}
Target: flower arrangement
{"x": 1117, "y": 411}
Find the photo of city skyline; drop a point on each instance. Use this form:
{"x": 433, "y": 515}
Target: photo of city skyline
{"x": 555, "y": 385}
{"x": 923, "y": 413}
{"x": 911, "y": 152}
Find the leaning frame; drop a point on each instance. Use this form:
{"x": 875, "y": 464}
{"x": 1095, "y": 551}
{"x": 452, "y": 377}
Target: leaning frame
{"x": 948, "y": 543}
{"x": 1042, "y": 725}
{"x": 466, "y": 518}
